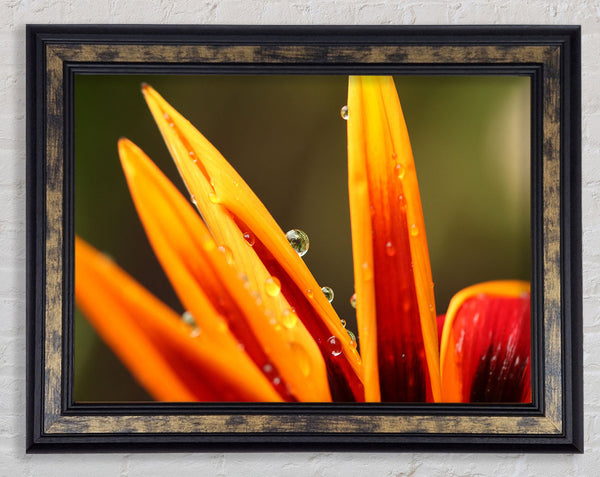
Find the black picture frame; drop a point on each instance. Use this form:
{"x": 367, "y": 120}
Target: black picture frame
{"x": 549, "y": 55}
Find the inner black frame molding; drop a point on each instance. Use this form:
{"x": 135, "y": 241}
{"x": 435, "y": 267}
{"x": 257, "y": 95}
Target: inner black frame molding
{"x": 549, "y": 55}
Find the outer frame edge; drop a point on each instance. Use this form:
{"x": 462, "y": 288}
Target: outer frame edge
{"x": 38, "y": 442}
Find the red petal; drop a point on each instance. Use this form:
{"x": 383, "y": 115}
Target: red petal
{"x": 486, "y": 347}
{"x": 394, "y": 290}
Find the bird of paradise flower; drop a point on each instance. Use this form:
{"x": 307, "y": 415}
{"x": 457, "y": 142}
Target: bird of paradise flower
{"x": 257, "y": 326}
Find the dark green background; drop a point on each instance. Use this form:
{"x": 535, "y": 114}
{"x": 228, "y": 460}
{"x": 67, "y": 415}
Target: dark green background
{"x": 285, "y": 136}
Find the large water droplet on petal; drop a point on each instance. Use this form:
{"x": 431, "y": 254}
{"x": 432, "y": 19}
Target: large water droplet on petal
{"x": 328, "y": 292}
{"x": 400, "y": 170}
{"x": 250, "y": 238}
{"x": 272, "y": 286}
{"x": 353, "y": 300}
{"x": 289, "y": 319}
{"x": 300, "y": 357}
{"x": 188, "y": 318}
{"x": 352, "y": 337}
{"x": 268, "y": 368}
{"x": 225, "y": 250}
{"x": 344, "y": 112}
{"x": 368, "y": 272}
{"x": 402, "y": 201}
{"x": 389, "y": 249}
{"x": 213, "y": 198}
{"x": 334, "y": 346}
{"x": 414, "y": 230}
{"x": 298, "y": 240}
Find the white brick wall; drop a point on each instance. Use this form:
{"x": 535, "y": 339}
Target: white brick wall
{"x": 14, "y": 14}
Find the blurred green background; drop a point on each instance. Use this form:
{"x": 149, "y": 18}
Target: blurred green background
{"x": 285, "y": 136}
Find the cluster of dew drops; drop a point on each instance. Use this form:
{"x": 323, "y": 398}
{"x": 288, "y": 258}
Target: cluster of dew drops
{"x": 299, "y": 241}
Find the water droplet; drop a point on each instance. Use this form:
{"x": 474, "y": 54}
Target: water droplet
{"x": 289, "y": 318}
{"x": 250, "y": 238}
{"x": 394, "y": 155}
{"x": 334, "y": 346}
{"x": 389, "y": 249}
{"x": 300, "y": 357}
{"x": 188, "y": 318}
{"x": 343, "y": 322}
{"x": 328, "y": 292}
{"x": 193, "y": 199}
{"x": 352, "y": 336}
{"x": 268, "y": 368}
{"x": 276, "y": 380}
{"x": 298, "y": 240}
{"x": 368, "y": 273}
{"x": 224, "y": 249}
{"x": 191, "y": 153}
{"x": 166, "y": 116}
{"x": 212, "y": 181}
{"x": 213, "y": 198}
{"x": 171, "y": 125}
{"x": 195, "y": 333}
{"x": 309, "y": 293}
{"x": 414, "y": 230}
{"x": 400, "y": 170}
{"x": 353, "y": 300}
{"x": 344, "y": 112}
{"x": 222, "y": 326}
{"x": 431, "y": 306}
{"x": 235, "y": 183}
{"x": 272, "y": 286}
{"x": 402, "y": 201}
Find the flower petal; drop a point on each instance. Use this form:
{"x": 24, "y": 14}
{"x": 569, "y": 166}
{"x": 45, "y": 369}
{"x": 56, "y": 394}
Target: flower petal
{"x": 171, "y": 360}
{"x": 394, "y": 289}
{"x": 232, "y": 211}
{"x": 204, "y": 277}
{"x": 486, "y": 344}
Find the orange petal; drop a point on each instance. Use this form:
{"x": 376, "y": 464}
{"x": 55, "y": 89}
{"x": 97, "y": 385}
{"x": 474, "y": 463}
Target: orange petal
{"x": 205, "y": 277}
{"x": 232, "y": 210}
{"x": 486, "y": 344}
{"x": 394, "y": 288}
{"x": 168, "y": 357}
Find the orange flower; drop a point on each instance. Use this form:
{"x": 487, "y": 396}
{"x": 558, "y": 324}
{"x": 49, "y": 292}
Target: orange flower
{"x": 257, "y": 326}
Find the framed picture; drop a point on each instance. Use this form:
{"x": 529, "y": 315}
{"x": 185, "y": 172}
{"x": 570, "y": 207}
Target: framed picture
{"x": 269, "y": 238}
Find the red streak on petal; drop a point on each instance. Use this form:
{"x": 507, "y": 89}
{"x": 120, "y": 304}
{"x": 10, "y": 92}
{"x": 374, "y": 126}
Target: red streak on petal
{"x": 403, "y": 374}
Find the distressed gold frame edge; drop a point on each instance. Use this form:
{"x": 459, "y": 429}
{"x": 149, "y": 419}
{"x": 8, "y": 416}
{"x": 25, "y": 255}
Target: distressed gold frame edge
{"x": 55, "y": 422}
